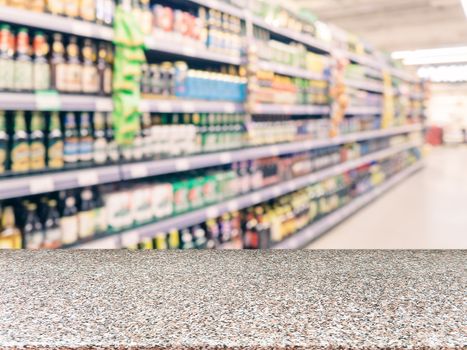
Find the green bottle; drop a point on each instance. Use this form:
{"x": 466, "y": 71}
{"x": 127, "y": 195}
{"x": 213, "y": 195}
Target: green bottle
{"x": 37, "y": 142}
{"x": 3, "y": 143}
{"x": 55, "y": 143}
{"x": 20, "y": 148}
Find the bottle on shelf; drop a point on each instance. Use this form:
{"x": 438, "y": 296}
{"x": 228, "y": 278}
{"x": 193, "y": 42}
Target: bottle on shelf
{"x": 87, "y": 10}
{"x": 33, "y": 231}
{"x": 58, "y": 64}
{"x": 23, "y": 69}
{"x": 74, "y": 67}
{"x": 4, "y": 142}
{"x": 53, "y": 234}
{"x": 100, "y": 212}
{"x": 55, "y": 143}
{"x": 72, "y": 142}
{"x": 41, "y": 68}
{"x": 20, "y": 150}
{"x": 112, "y": 147}
{"x": 69, "y": 224}
{"x": 100, "y": 141}
{"x": 10, "y": 235}
{"x": 37, "y": 142}
{"x": 72, "y": 8}
{"x": 55, "y": 7}
{"x": 104, "y": 69}
{"x": 86, "y": 214}
{"x": 86, "y": 141}
{"x": 90, "y": 77}
{"x": 7, "y": 66}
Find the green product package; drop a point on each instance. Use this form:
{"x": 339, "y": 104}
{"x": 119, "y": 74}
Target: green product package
{"x": 127, "y": 30}
{"x": 195, "y": 192}
{"x": 180, "y": 189}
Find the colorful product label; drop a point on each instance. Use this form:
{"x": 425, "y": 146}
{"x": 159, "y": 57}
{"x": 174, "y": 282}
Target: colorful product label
{"x": 55, "y": 154}
{"x": 37, "y": 155}
{"x": 20, "y": 157}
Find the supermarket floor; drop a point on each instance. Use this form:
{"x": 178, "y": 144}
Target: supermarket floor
{"x": 426, "y": 211}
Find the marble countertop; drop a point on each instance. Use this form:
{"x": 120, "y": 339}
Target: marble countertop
{"x": 233, "y": 299}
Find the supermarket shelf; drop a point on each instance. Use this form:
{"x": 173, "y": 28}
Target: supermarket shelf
{"x": 417, "y": 96}
{"x": 304, "y": 237}
{"x": 184, "y": 50}
{"x": 290, "y": 71}
{"x": 56, "y": 181}
{"x": 55, "y": 23}
{"x": 364, "y": 110}
{"x": 190, "y": 106}
{"x": 403, "y": 75}
{"x": 44, "y": 183}
{"x": 194, "y": 217}
{"x": 221, "y": 6}
{"x": 32, "y": 102}
{"x": 168, "y": 166}
{"x": 261, "y": 108}
{"x": 367, "y": 86}
{"x": 290, "y": 34}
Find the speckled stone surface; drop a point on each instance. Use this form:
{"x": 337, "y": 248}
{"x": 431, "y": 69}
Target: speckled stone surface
{"x": 238, "y": 300}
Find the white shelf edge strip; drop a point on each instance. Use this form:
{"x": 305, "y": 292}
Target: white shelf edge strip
{"x": 241, "y": 202}
{"x": 55, "y": 23}
{"x": 304, "y": 237}
{"x": 290, "y": 70}
{"x": 190, "y": 51}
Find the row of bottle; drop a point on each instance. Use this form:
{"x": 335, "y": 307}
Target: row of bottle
{"x": 266, "y": 224}
{"x": 80, "y": 66}
{"x": 269, "y": 87}
{"x": 37, "y": 142}
{"x": 65, "y": 217}
{"x": 176, "y": 79}
{"x": 98, "y": 11}
{"x": 202, "y": 28}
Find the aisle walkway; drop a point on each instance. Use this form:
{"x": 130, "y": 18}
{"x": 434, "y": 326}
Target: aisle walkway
{"x": 426, "y": 211}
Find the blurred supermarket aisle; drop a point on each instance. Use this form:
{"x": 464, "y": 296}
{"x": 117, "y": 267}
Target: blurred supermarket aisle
{"x": 428, "y": 211}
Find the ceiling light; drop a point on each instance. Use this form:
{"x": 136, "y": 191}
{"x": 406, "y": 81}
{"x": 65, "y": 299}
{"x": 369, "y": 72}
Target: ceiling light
{"x": 444, "y": 74}
{"x": 432, "y": 56}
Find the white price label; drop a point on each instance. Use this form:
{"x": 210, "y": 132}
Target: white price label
{"x": 232, "y": 206}
{"x": 144, "y": 106}
{"x": 88, "y": 178}
{"x": 229, "y": 108}
{"x": 41, "y": 185}
{"x": 274, "y": 150}
{"x": 188, "y": 107}
{"x": 139, "y": 171}
{"x": 225, "y": 158}
{"x": 256, "y": 198}
{"x": 188, "y": 51}
{"x": 81, "y": 28}
{"x": 104, "y": 105}
{"x": 212, "y": 213}
{"x": 130, "y": 239}
{"x": 276, "y": 190}
{"x": 182, "y": 164}
{"x": 164, "y": 106}
{"x": 258, "y": 108}
{"x": 48, "y": 101}
{"x": 291, "y": 186}
{"x": 286, "y": 109}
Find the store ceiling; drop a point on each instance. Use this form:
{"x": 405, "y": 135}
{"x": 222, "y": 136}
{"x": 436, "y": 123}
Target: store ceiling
{"x": 396, "y": 24}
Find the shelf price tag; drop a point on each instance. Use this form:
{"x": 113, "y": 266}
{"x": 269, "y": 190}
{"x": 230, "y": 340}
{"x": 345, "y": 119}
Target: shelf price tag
{"x": 225, "y": 158}
{"x": 212, "y": 213}
{"x": 188, "y": 51}
{"x": 82, "y": 28}
{"x": 41, "y": 185}
{"x": 164, "y": 106}
{"x": 229, "y": 108}
{"x": 182, "y": 164}
{"x": 138, "y": 171}
{"x": 88, "y": 178}
{"x": 144, "y": 106}
{"x": 47, "y": 100}
{"x": 104, "y": 105}
{"x": 256, "y": 198}
{"x": 188, "y": 107}
{"x": 232, "y": 206}
{"x": 130, "y": 239}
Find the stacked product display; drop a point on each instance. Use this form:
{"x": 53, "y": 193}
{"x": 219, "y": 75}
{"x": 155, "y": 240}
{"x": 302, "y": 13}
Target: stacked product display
{"x": 191, "y": 125}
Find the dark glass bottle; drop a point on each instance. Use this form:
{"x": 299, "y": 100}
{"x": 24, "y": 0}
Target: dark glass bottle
{"x": 69, "y": 219}
{"x": 58, "y": 64}
{"x": 20, "y": 146}
{"x": 37, "y": 142}
{"x": 53, "y": 234}
{"x": 85, "y": 139}
{"x": 55, "y": 143}
{"x": 71, "y": 145}
{"x": 32, "y": 230}
{"x": 23, "y": 80}
{"x": 41, "y": 68}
